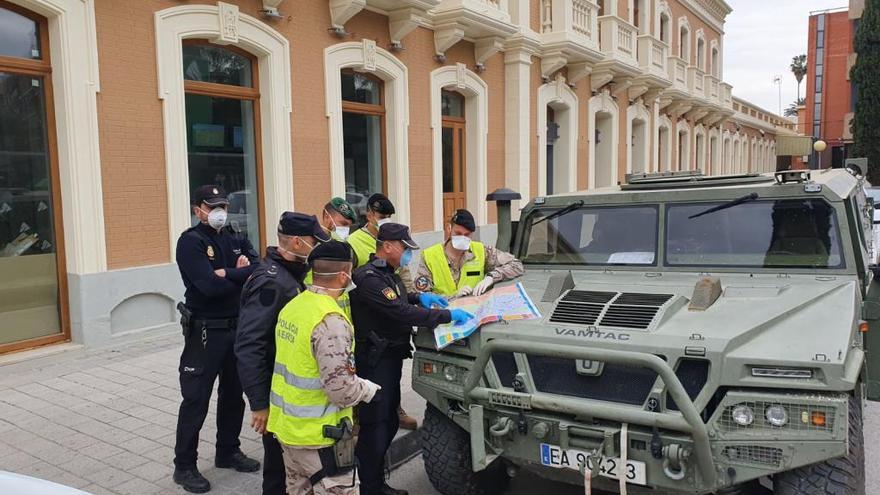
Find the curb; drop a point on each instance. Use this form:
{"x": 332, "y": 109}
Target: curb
{"x": 404, "y": 447}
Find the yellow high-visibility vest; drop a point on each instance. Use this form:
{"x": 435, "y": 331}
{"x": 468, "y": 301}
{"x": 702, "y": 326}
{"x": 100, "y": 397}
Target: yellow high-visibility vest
{"x": 364, "y": 244}
{"x": 472, "y": 272}
{"x": 298, "y": 406}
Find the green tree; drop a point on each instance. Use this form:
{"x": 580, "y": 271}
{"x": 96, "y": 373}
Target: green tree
{"x": 799, "y": 69}
{"x": 865, "y": 128}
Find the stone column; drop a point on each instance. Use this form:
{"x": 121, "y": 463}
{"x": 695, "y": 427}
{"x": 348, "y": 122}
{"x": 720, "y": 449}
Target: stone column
{"x": 517, "y": 120}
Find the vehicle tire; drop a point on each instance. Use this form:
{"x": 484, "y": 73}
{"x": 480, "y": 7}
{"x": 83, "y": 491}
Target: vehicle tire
{"x": 748, "y": 488}
{"x": 840, "y": 476}
{"x": 446, "y": 451}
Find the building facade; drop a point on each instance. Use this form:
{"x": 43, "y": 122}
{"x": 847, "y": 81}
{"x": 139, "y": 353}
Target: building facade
{"x": 113, "y": 111}
{"x": 830, "y": 99}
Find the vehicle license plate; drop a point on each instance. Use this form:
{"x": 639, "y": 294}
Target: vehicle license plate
{"x": 557, "y": 457}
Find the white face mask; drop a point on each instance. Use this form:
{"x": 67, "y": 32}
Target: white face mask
{"x": 217, "y": 218}
{"x": 383, "y": 221}
{"x": 342, "y": 232}
{"x": 461, "y": 242}
{"x": 348, "y": 288}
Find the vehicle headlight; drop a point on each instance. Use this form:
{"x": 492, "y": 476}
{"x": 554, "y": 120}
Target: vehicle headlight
{"x": 742, "y": 415}
{"x": 450, "y": 372}
{"x": 776, "y": 415}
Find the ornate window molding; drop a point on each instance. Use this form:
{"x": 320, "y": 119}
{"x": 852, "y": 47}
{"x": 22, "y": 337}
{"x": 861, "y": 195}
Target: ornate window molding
{"x": 476, "y": 92}
{"x": 637, "y": 111}
{"x": 714, "y": 163}
{"x": 223, "y": 24}
{"x": 75, "y": 81}
{"x": 685, "y": 50}
{"x": 662, "y": 9}
{"x": 564, "y": 101}
{"x": 664, "y": 122}
{"x": 699, "y": 162}
{"x": 603, "y": 103}
{"x": 365, "y": 56}
{"x": 684, "y": 161}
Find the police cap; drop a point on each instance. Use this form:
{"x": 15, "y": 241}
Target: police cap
{"x": 211, "y": 195}
{"x": 396, "y": 232}
{"x": 379, "y": 203}
{"x": 300, "y": 224}
{"x": 331, "y": 251}
{"x": 342, "y": 207}
{"x": 465, "y": 219}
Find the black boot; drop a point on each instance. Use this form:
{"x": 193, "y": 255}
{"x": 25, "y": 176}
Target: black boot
{"x": 387, "y": 490}
{"x": 239, "y": 462}
{"x": 191, "y": 480}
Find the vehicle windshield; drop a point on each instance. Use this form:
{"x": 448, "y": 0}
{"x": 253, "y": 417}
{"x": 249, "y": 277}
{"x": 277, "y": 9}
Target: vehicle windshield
{"x": 593, "y": 236}
{"x": 793, "y": 233}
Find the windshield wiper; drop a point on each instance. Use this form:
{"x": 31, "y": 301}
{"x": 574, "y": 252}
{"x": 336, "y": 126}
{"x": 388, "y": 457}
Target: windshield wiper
{"x": 558, "y": 213}
{"x": 729, "y": 204}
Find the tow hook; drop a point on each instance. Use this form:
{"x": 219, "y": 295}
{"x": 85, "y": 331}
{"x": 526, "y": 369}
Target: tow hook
{"x": 501, "y": 427}
{"x": 674, "y": 461}
{"x": 522, "y": 424}
{"x": 593, "y": 460}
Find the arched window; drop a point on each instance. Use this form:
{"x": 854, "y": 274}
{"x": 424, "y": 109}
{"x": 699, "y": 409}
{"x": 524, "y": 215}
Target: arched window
{"x": 701, "y": 53}
{"x": 664, "y": 28}
{"x": 684, "y": 43}
{"x": 363, "y": 135}
{"x": 222, "y": 129}
{"x": 452, "y": 107}
{"x": 34, "y": 309}
{"x": 715, "y": 67}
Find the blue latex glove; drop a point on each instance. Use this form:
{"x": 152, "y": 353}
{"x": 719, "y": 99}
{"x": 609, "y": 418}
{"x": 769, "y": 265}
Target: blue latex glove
{"x": 460, "y": 316}
{"x": 428, "y": 300}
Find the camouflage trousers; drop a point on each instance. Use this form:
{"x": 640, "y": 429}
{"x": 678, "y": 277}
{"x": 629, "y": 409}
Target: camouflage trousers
{"x": 300, "y": 464}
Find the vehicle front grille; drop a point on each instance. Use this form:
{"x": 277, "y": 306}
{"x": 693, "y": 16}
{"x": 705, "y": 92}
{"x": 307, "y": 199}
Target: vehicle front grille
{"x": 622, "y": 310}
{"x": 800, "y": 417}
{"x": 505, "y": 366}
{"x": 693, "y": 375}
{"x": 616, "y": 383}
{"x": 754, "y": 454}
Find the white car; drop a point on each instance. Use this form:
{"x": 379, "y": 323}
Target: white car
{"x": 20, "y": 484}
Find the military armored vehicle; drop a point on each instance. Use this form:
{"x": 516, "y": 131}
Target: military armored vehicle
{"x": 698, "y": 334}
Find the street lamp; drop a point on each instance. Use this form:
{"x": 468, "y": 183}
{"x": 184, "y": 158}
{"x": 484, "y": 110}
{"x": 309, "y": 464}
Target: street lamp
{"x": 820, "y": 146}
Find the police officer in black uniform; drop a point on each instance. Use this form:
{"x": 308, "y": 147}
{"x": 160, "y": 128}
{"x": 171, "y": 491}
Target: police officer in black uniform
{"x": 214, "y": 262}
{"x": 383, "y": 315}
{"x": 277, "y": 279}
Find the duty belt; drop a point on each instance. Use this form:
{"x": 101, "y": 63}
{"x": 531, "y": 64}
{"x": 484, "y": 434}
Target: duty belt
{"x": 214, "y": 324}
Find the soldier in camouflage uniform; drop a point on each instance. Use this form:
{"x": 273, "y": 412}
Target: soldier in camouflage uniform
{"x": 315, "y": 386}
{"x": 460, "y": 266}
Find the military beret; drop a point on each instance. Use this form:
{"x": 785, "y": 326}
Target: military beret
{"x": 396, "y": 232}
{"x": 465, "y": 219}
{"x": 379, "y": 203}
{"x": 300, "y": 224}
{"x": 342, "y": 207}
{"x": 331, "y": 251}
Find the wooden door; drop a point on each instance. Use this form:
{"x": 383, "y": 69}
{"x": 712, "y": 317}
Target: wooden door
{"x": 454, "y": 171}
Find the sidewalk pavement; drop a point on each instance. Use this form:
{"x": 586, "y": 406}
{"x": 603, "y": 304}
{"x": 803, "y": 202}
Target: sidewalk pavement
{"x": 103, "y": 420}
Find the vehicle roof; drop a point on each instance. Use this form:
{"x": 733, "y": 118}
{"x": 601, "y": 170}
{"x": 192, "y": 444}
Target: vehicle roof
{"x": 838, "y": 181}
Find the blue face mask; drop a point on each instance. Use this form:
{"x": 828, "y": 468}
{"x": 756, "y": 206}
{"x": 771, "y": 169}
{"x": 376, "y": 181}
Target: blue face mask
{"x": 406, "y": 257}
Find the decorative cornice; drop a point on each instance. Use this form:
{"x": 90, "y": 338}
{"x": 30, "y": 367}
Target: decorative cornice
{"x": 713, "y": 12}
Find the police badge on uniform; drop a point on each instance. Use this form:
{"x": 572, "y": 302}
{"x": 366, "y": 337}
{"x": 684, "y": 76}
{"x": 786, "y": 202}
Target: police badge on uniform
{"x": 423, "y": 284}
{"x": 389, "y": 293}
{"x": 211, "y": 252}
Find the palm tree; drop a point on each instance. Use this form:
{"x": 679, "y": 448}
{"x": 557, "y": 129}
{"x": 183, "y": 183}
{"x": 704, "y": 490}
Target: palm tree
{"x": 791, "y": 111}
{"x": 799, "y": 69}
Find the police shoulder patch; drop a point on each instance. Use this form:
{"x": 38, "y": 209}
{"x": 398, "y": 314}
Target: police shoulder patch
{"x": 422, "y": 284}
{"x": 389, "y": 293}
{"x": 267, "y": 296}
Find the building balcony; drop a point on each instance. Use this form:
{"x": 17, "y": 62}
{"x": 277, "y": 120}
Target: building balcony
{"x": 404, "y": 15}
{"x": 695, "y": 81}
{"x": 712, "y": 88}
{"x": 617, "y": 40}
{"x": 652, "y": 57}
{"x": 678, "y": 73}
{"x": 487, "y": 22}
{"x": 569, "y": 33}
{"x": 726, "y": 96}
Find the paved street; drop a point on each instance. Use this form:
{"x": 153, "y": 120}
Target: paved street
{"x": 103, "y": 420}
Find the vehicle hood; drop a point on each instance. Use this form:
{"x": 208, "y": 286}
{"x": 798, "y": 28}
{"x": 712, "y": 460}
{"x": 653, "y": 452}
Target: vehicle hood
{"x": 758, "y": 319}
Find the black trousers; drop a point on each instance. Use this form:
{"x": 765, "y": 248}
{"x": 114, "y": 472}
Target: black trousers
{"x": 274, "y": 476}
{"x": 378, "y": 422}
{"x": 200, "y": 365}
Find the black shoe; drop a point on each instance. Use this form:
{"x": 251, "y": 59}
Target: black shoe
{"x": 387, "y": 490}
{"x": 191, "y": 480}
{"x": 239, "y": 462}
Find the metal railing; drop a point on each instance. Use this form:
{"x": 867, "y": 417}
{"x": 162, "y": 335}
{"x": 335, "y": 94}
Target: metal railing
{"x": 688, "y": 421}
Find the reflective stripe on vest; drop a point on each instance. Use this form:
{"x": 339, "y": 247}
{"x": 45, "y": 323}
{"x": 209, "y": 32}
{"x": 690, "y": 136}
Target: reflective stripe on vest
{"x": 364, "y": 244}
{"x": 298, "y": 406}
{"x": 472, "y": 272}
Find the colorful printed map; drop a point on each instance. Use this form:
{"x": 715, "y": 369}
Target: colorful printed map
{"x": 504, "y": 303}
